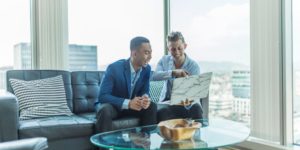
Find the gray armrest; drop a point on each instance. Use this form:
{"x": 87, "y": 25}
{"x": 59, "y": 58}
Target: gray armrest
{"x": 9, "y": 117}
{"x": 25, "y": 144}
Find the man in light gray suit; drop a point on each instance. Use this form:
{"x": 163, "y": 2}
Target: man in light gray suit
{"x": 175, "y": 65}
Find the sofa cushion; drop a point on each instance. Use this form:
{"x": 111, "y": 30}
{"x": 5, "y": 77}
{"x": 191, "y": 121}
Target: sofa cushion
{"x": 120, "y": 123}
{"x": 41, "y": 98}
{"x": 86, "y": 87}
{"x": 55, "y": 128}
{"x": 89, "y": 116}
{"x": 28, "y": 75}
{"x": 126, "y": 122}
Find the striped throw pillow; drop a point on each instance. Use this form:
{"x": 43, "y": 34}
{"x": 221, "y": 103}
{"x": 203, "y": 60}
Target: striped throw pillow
{"x": 41, "y": 98}
{"x": 155, "y": 90}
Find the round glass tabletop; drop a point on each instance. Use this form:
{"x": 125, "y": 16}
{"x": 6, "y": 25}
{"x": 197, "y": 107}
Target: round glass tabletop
{"x": 213, "y": 134}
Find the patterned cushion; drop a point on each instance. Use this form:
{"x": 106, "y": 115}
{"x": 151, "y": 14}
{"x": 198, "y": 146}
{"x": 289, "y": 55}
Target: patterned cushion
{"x": 155, "y": 90}
{"x": 41, "y": 98}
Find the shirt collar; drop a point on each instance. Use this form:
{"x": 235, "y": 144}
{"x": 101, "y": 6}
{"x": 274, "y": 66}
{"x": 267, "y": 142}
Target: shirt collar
{"x": 132, "y": 71}
{"x": 186, "y": 61}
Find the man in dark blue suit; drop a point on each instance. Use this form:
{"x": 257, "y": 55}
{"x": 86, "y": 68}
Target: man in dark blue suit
{"x": 125, "y": 88}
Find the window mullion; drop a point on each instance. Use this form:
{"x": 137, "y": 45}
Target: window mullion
{"x": 166, "y": 23}
{"x": 287, "y": 74}
{"x": 265, "y": 27}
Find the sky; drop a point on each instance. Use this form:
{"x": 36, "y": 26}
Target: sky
{"x": 216, "y": 30}
{"x": 112, "y": 33}
{"x": 14, "y": 27}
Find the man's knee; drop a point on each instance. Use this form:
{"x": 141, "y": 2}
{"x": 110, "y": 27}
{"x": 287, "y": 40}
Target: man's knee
{"x": 197, "y": 107}
{"x": 105, "y": 114}
{"x": 164, "y": 113}
{"x": 151, "y": 110}
{"x": 104, "y": 110}
{"x": 153, "y": 107}
{"x": 196, "y": 111}
{"x": 164, "y": 110}
{"x": 148, "y": 116}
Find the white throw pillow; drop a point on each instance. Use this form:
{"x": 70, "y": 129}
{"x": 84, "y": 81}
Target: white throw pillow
{"x": 41, "y": 98}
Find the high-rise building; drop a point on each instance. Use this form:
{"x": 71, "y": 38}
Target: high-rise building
{"x": 22, "y": 56}
{"x": 241, "y": 83}
{"x": 81, "y": 57}
{"x": 241, "y": 106}
{"x": 241, "y": 91}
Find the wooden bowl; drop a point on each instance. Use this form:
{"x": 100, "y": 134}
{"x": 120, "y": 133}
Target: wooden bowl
{"x": 178, "y": 129}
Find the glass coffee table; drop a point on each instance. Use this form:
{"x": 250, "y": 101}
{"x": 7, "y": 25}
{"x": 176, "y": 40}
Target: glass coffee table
{"x": 214, "y": 133}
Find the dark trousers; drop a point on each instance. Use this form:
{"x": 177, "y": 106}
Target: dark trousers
{"x": 175, "y": 111}
{"x": 106, "y": 113}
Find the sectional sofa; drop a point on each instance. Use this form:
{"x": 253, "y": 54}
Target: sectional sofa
{"x": 63, "y": 132}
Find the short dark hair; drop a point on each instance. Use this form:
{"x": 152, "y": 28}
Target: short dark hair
{"x": 175, "y": 36}
{"x": 136, "y": 42}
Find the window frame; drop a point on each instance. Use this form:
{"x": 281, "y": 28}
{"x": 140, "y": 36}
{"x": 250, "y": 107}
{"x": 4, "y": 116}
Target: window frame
{"x": 285, "y": 61}
{"x": 286, "y": 77}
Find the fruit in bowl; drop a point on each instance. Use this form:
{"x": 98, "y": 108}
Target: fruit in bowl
{"x": 178, "y": 129}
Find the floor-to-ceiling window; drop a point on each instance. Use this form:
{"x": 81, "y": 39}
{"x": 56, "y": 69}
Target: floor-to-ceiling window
{"x": 218, "y": 37}
{"x": 15, "y": 48}
{"x": 100, "y": 31}
{"x": 296, "y": 65}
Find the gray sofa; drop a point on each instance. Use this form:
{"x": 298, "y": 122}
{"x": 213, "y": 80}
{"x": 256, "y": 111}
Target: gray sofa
{"x": 62, "y": 132}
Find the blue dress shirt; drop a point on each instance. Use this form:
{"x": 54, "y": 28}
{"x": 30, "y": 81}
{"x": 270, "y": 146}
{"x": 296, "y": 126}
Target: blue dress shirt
{"x": 134, "y": 76}
{"x": 164, "y": 70}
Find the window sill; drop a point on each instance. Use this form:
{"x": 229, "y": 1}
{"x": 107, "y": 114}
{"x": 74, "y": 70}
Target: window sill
{"x": 259, "y": 144}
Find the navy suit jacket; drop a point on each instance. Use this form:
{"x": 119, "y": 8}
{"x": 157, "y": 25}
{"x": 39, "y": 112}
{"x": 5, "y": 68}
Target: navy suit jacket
{"x": 115, "y": 86}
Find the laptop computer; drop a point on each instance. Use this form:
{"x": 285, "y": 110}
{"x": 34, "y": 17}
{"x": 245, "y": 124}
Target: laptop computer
{"x": 190, "y": 88}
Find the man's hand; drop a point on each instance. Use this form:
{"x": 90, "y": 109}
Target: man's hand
{"x": 145, "y": 101}
{"x": 177, "y": 73}
{"x": 136, "y": 103}
{"x": 186, "y": 102}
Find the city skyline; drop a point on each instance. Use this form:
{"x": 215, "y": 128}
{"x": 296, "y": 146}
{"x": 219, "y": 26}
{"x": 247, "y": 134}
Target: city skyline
{"x": 80, "y": 57}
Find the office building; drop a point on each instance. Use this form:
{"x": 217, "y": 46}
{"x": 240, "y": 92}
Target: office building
{"x": 241, "y": 83}
{"x": 22, "y": 56}
{"x": 81, "y": 57}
